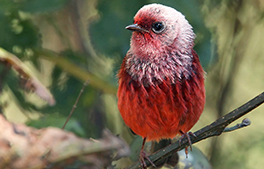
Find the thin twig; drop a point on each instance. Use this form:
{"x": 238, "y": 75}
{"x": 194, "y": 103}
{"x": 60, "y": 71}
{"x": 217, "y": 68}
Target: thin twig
{"x": 48, "y": 151}
{"x": 246, "y": 122}
{"x": 75, "y": 104}
{"x": 214, "y": 129}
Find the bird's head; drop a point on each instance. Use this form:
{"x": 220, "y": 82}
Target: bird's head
{"x": 158, "y": 29}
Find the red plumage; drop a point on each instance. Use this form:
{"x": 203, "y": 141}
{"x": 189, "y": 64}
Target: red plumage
{"x": 163, "y": 109}
{"x": 161, "y": 81}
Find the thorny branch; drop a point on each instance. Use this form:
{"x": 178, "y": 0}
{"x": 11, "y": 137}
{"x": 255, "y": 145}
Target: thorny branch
{"x": 214, "y": 129}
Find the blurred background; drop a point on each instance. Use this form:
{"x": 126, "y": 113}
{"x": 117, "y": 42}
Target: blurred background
{"x": 66, "y": 42}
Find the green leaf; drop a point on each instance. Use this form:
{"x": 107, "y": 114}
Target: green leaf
{"x": 7, "y": 6}
{"x": 42, "y": 6}
{"x": 55, "y": 120}
{"x": 18, "y": 35}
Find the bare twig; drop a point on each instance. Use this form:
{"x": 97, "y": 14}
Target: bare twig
{"x": 246, "y": 122}
{"x": 75, "y": 104}
{"x": 214, "y": 129}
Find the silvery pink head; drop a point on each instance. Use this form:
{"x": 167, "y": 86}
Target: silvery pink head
{"x": 161, "y": 45}
{"x": 162, "y": 27}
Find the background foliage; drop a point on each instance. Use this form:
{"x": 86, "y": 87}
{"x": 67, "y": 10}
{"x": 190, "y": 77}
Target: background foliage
{"x": 66, "y": 42}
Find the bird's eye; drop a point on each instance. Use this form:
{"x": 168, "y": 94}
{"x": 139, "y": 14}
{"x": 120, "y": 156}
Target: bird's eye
{"x": 158, "y": 27}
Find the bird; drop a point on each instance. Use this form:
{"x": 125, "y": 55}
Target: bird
{"x": 161, "y": 91}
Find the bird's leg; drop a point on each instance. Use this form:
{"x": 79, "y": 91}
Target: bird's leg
{"x": 187, "y": 134}
{"x": 143, "y": 156}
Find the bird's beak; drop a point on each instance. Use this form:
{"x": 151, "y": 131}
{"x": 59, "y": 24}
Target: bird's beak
{"x": 136, "y": 27}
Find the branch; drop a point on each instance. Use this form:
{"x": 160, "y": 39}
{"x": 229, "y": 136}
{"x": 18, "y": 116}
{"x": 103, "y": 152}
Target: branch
{"x": 75, "y": 70}
{"x": 214, "y": 129}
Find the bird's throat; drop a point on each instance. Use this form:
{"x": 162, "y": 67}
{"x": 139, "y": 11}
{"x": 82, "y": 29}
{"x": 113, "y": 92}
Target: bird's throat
{"x": 154, "y": 70}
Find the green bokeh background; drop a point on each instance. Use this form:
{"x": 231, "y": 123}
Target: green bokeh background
{"x": 57, "y": 37}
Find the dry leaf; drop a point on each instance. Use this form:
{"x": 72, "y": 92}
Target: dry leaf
{"x": 31, "y": 82}
{"x": 26, "y": 147}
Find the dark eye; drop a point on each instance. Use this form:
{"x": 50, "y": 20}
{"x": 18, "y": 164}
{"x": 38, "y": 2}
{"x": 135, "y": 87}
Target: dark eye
{"x": 158, "y": 27}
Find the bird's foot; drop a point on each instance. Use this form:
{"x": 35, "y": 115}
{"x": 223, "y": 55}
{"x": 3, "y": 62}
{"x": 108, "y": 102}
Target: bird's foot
{"x": 187, "y": 134}
{"x": 142, "y": 157}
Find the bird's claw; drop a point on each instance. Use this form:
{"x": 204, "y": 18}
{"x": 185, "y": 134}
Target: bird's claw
{"x": 143, "y": 156}
{"x": 187, "y": 134}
